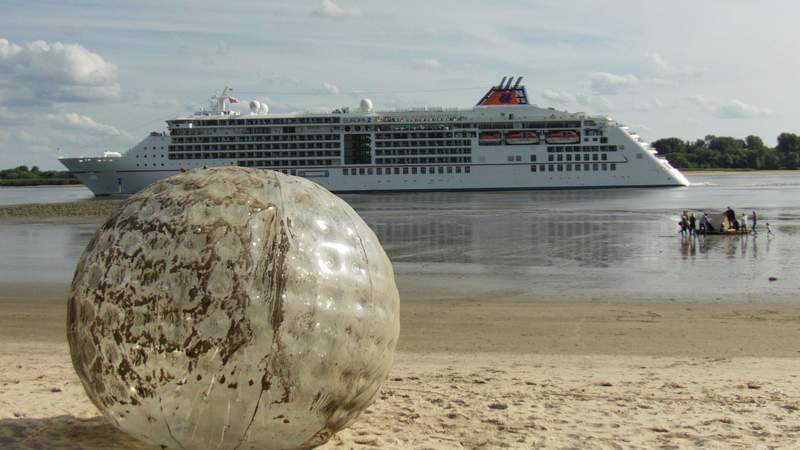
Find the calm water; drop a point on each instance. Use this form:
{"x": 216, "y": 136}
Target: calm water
{"x": 587, "y": 243}
{"x": 43, "y": 194}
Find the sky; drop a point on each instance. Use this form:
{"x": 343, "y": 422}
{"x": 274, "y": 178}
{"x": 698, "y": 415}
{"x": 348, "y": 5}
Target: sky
{"x": 81, "y": 77}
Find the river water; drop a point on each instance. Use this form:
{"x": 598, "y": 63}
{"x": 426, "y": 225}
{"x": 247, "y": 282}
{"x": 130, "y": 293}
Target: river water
{"x": 614, "y": 243}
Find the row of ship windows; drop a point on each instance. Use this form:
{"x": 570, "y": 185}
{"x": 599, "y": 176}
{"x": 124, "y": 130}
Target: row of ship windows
{"x": 594, "y": 157}
{"x": 569, "y": 167}
{"x": 300, "y": 154}
{"x": 286, "y": 163}
{"x": 425, "y": 151}
{"x": 434, "y": 135}
{"x": 265, "y": 138}
{"x": 507, "y": 125}
{"x": 209, "y": 130}
{"x": 185, "y": 129}
{"x": 232, "y": 122}
{"x": 405, "y": 170}
{"x": 402, "y": 124}
{"x": 456, "y": 159}
{"x": 309, "y": 145}
{"x": 402, "y": 144}
{"x": 585, "y": 148}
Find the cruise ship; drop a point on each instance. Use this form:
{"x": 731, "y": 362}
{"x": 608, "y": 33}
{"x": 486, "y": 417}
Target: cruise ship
{"x": 502, "y": 143}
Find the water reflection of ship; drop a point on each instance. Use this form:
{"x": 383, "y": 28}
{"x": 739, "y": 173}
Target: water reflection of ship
{"x": 496, "y": 238}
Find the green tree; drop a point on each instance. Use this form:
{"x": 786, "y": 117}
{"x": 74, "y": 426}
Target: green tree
{"x": 754, "y": 143}
{"x": 788, "y": 143}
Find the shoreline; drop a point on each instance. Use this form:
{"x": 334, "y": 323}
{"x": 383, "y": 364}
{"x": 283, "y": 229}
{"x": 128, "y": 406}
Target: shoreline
{"x": 36, "y": 312}
{"x": 740, "y": 172}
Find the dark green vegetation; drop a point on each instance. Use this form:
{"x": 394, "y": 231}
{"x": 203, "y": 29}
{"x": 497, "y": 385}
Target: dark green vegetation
{"x": 723, "y": 152}
{"x": 22, "y": 176}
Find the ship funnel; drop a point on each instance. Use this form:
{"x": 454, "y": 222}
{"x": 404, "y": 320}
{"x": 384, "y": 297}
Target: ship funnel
{"x": 502, "y": 82}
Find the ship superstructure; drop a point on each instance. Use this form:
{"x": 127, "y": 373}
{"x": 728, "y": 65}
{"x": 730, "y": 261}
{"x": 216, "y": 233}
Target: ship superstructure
{"x": 502, "y": 143}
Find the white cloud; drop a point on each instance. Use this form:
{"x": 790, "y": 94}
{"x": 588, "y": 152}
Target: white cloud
{"x": 595, "y": 103}
{"x": 736, "y": 109}
{"x": 732, "y": 109}
{"x": 700, "y": 101}
{"x": 31, "y": 137}
{"x": 646, "y": 105}
{"x": 222, "y": 48}
{"x": 663, "y": 82}
{"x": 75, "y": 120}
{"x": 660, "y": 66}
{"x": 658, "y": 63}
{"x": 330, "y": 88}
{"x": 45, "y": 72}
{"x": 609, "y": 83}
{"x": 428, "y": 64}
{"x": 598, "y": 104}
{"x": 149, "y": 99}
{"x": 558, "y": 97}
{"x": 328, "y": 8}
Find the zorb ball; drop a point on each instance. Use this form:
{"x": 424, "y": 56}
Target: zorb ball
{"x": 233, "y": 308}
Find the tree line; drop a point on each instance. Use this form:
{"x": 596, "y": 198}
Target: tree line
{"x": 23, "y": 176}
{"x": 725, "y": 152}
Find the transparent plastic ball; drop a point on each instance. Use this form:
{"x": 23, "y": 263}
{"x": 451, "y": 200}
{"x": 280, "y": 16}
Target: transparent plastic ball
{"x": 233, "y": 308}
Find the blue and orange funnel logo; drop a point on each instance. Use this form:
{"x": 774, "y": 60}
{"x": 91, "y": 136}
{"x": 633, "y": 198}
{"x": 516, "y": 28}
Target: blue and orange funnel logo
{"x": 505, "y": 94}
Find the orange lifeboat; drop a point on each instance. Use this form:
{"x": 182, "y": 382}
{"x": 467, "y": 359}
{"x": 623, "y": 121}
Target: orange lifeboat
{"x": 522, "y": 137}
{"x": 490, "y": 137}
{"x": 563, "y": 137}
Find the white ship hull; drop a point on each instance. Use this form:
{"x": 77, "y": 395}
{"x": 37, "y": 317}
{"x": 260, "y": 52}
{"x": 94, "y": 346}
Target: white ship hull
{"x": 121, "y": 176}
{"x": 390, "y": 155}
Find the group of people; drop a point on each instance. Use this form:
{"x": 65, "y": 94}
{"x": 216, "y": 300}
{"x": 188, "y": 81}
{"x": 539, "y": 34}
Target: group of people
{"x": 689, "y": 224}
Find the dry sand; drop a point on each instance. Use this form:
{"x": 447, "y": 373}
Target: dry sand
{"x": 473, "y": 373}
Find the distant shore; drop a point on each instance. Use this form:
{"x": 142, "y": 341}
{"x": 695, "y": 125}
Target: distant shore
{"x": 39, "y": 182}
{"x": 739, "y": 172}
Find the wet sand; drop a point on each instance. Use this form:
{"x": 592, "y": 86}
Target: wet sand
{"x": 489, "y": 373}
{"x": 85, "y": 210}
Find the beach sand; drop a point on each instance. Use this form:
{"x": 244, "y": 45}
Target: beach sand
{"x": 488, "y": 373}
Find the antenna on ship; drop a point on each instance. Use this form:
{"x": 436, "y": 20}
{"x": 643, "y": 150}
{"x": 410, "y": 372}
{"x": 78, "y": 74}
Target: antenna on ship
{"x": 519, "y": 80}
{"x": 508, "y": 85}
{"x": 220, "y": 107}
{"x": 502, "y": 82}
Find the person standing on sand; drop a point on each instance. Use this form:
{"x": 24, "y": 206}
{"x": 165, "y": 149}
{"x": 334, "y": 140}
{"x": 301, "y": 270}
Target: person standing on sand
{"x": 755, "y": 219}
{"x": 705, "y": 225}
{"x": 692, "y": 225}
{"x": 744, "y": 223}
{"x": 684, "y": 223}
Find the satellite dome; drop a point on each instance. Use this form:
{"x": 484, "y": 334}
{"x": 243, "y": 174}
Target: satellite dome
{"x": 366, "y": 105}
{"x": 263, "y": 109}
{"x": 255, "y": 106}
